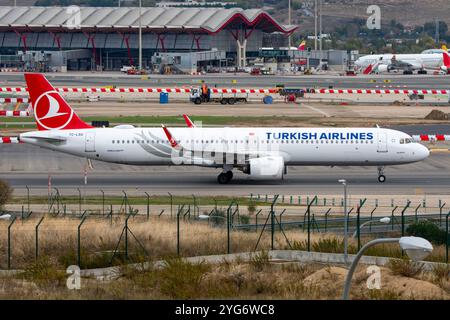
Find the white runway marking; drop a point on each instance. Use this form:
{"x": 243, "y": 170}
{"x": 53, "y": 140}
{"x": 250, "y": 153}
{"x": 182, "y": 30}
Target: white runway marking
{"x": 316, "y": 110}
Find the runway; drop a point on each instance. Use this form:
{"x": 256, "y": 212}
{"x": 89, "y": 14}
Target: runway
{"x": 24, "y": 165}
{"x": 241, "y": 80}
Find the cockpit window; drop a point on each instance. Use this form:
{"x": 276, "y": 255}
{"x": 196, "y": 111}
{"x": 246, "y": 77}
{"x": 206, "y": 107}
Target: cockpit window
{"x": 406, "y": 140}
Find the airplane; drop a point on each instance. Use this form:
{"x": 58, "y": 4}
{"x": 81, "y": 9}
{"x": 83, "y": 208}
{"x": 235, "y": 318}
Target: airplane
{"x": 443, "y": 49}
{"x": 262, "y": 153}
{"x": 407, "y": 62}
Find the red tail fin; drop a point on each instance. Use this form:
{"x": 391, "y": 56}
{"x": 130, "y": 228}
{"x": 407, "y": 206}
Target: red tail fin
{"x": 51, "y": 111}
{"x": 446, "y": 59}
{"x": 368, "y": 70}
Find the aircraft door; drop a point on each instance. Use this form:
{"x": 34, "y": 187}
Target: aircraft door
{"x": 90, "y": 142}
{"x": 382, "y": 142}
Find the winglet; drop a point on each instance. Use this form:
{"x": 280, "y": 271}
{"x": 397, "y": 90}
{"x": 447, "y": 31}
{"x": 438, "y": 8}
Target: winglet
{"x": 188, "y": 121}
{"x": 169, "y": 136}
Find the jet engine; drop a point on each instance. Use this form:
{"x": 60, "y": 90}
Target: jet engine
{"x": 270, "y": 167}
{"x": 383, "y": 68}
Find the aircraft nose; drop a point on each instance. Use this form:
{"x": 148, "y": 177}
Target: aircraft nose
{"x": 422, "y": 152}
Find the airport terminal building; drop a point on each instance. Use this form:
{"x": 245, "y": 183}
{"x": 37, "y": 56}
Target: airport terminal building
{"x": 108, "y": 38}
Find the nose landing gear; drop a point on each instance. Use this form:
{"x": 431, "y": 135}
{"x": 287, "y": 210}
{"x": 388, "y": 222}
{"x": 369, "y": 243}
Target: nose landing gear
{"x": 225, "y": 177}
{"x": 381, "y": 176}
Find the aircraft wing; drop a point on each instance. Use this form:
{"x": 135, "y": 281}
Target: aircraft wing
{"x": 216, "y": 157}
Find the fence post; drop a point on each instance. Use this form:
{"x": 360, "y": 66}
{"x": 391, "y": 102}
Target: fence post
{"x": 79, "y": 200}
{"x": 281, "y": 215}
{"x": 309, "y": 221}
{"x": 326, "y": 219}
{"x": 371, "y": 215}
{"x": 126, "y": 237}
{"x": 171, "y": 203}
{"x": 228, "y": 229}
{"x": 9, "y": 242}
{"x": 178, "y": 229}
{"x": 229, "y": 225}
{"x": 103, "y": 202}
{"x": 37, "y": 238}
{"x": 28, "y": 199}
{"x": 441, "y": 207}
{"x": 256, "y": 223}
{"x": 148, "y": 206}
{"x": 79, "y": 242}
{"x": 272, "y": 220}
{"x": 403, "y": 216}
{"x": 415, "y": 212}
{"x": 358, "y": 221}
{"x": 447, "y": 237}
{"x": 392, "y": 217}
{"x": 195, "y": 204}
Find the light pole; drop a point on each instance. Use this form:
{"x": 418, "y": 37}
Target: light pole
{"x": 289, "y": 22}
{"x": 315, "y": 24}
{"x": 382, "y": 220}
{"x": 140, "y": 35}
{"x": 416, "y": 248}
{"x": 344, "y": 183}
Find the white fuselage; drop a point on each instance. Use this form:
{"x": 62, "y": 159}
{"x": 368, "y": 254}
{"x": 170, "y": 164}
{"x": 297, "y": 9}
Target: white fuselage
{"x": 418, "y": 61}
{"x": 297, "y": 146}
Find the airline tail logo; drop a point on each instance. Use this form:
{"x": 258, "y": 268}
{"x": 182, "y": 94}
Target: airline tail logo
{"x": 51, "y": 111}
{"x": 302, "y": 45}
{"x": 47, "y": 111}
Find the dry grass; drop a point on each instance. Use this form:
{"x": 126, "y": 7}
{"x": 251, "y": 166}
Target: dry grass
{"x": 58, "y": 240}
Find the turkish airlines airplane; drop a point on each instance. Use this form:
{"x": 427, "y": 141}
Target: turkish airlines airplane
{"x": 379, "y": 63}
{"x": 262, "y": 153}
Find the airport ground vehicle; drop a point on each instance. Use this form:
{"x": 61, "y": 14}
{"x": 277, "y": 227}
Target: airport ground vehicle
{"x": 196, "y": 97}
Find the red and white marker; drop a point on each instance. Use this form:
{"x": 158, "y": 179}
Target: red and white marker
{"x": 19, "y": 114}
{"x": 431, "y": 137}
{"x": 14, "y": 100}
{"x": 9, "y": 140}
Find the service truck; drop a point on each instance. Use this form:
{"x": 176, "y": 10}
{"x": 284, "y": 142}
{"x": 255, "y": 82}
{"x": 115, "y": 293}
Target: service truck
{"x": 196, "y": 97}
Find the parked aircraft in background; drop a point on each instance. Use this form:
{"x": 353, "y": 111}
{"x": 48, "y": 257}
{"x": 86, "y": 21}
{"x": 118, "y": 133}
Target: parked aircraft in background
{"x": 379, "y": 63}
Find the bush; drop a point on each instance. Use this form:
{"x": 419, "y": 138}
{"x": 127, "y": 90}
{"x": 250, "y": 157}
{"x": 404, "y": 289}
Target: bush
{"x": 218, "y": 217}
{"x": 427, "y": 230}
{"x": 404, "y": 267}
{"x": 5, "y": 193}
{"x": 243, "y": 219}
{"x": 251, "y": 208}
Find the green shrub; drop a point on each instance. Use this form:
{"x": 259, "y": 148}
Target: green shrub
{"x": 218, "y": 217}
{"x": 251, "y": 208}
{"x": 243, "y": 219}
{"x": 427, "y": 230}
{"x": 43, "y": 271}
{"x": 5, "y": 193}
{"x": 259, "y": 261}
{"x": 405, "y": 267}
{"x": 180, "y": 279}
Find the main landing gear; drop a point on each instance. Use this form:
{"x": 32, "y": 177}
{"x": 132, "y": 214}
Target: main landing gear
{"x": 225, "y": 177}
{"x": 381, "y": 176}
